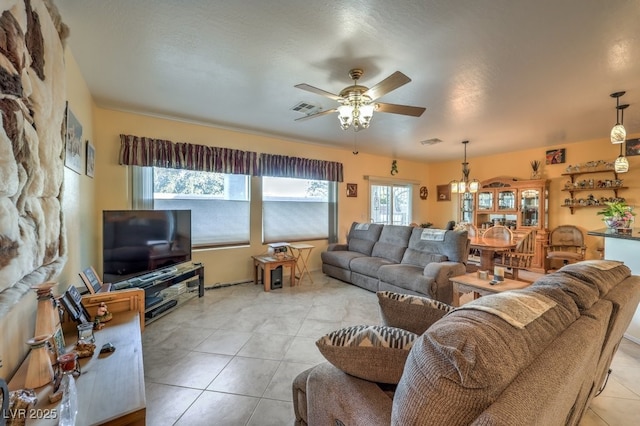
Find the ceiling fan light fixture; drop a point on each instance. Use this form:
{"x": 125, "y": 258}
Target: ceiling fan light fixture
{"x": 345, "y": 116}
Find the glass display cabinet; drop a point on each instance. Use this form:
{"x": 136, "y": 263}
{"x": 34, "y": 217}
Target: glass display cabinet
{"x": 521, "y": 205}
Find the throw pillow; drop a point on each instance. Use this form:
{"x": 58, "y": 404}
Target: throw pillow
{"x": 371, "y": 352}
{"x": 412, "y": 313}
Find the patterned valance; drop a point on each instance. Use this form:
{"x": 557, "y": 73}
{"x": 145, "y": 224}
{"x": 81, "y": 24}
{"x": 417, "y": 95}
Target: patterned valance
{"x": 302, "y": 168}
{"x": 141, "y": 151}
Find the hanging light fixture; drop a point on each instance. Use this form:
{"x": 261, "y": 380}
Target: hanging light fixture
{"x": 621, "y": 165}
{"x": 465, "y": 185}
{"x": 357, "y": 108}
{"x": 618, "y": 133}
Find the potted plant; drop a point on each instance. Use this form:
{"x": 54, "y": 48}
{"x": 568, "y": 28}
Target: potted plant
{"x": 535, "y": 169}
{"x": 617, "y": 214}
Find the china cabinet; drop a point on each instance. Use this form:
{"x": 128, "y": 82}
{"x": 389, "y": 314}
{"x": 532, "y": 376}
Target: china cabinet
{"x": 521, "y": 205}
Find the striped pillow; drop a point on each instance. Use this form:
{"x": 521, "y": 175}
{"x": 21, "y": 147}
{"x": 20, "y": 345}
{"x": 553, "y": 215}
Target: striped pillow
{"x": 372, "y": 352}
{"x": 412, "y": 313}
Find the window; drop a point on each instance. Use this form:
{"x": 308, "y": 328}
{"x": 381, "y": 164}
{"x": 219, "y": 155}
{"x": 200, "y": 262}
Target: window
{"x": 219, "y": 203}
{"x": 391, "y": 203}
{"x": 296, "y": 209}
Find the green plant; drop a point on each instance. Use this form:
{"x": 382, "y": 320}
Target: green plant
{"x": 618, "y": 210}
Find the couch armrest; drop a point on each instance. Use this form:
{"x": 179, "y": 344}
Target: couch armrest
{"x": 337, "y": 247}
{"x": 442, "y": 289}
{"x": 334, "y": 395}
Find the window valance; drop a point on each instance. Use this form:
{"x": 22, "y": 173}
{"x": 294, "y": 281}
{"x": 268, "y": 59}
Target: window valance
{"x": 302, "y": 168}
{"x": 141, "y": 151}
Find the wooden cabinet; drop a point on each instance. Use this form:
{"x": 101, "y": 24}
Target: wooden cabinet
{"x": 595, "y": 180}
{"x": 521, "y": 205}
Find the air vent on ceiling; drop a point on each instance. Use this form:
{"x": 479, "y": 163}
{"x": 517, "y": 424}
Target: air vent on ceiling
{"x": 431, "y": 141}
{"x": 306, "y": 108}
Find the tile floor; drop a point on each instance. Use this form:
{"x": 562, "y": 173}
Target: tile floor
{"x": 229, "y": 358}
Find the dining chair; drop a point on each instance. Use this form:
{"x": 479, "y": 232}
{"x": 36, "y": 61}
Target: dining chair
{"x": 498, "y": 232}
{"x": 566, "y": 244}
{"x": 520, "y": 257}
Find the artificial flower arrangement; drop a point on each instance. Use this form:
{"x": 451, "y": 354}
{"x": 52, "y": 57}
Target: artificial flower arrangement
{"x": 617, "y": 214}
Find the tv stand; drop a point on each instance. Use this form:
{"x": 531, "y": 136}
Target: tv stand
{"x": 169, "y": 288}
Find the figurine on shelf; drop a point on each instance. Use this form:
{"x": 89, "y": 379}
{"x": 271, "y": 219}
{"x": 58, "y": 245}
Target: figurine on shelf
{"x": 102, "y": 316}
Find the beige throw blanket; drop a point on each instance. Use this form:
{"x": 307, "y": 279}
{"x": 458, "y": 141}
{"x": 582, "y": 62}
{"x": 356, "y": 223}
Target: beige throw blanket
{"x": 516, "y": 308}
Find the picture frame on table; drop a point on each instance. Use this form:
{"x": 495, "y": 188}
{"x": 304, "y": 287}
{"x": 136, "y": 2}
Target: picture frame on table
{"x": 72, "y": 302}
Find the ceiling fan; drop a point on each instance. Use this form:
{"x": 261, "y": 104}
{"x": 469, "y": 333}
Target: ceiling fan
{"x": 357, "y": 103}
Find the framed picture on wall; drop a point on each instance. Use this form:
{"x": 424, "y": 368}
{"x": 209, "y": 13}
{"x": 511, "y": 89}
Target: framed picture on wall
{"x": 91, "y": 159}
{"x": 352, "y": 190}
{"x": 73, "y": 143}
{"x": 632, "y": 147}
{"x": 443, "y": 192}
{"x": 556, "y": 156}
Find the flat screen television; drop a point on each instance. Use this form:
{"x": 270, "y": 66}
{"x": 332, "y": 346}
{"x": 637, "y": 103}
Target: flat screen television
{"x": 139, "y": 242}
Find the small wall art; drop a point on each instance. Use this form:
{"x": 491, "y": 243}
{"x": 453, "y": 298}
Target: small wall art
{"x": 73, "y": 143}
{"x": 91, "y": 159}
{"x": 443, "y": 192}
{"x": 352, "y": 190}
{"x": 632, "y": 147}
{"x": 556, "y": 156}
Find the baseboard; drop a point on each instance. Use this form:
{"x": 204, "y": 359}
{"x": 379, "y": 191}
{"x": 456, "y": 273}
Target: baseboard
{"x": 633, "y": 339}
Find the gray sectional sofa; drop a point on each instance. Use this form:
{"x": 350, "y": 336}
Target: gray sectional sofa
{"x": 402, "y": 259}
{"x": 474, "y": 366}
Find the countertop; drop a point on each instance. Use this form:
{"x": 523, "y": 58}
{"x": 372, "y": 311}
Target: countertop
{"x": 634, "y": 233}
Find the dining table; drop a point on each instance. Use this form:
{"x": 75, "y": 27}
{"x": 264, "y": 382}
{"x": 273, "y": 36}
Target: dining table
{"x": 488, "y": 247}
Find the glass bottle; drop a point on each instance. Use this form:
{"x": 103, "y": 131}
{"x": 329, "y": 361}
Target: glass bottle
{"x": 69, "y": 405}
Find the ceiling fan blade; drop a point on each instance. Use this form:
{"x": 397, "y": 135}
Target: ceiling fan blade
{"x": 400, "y": 109}
{"x": 317, "y": 91}
{"x": 390, "y": 83}
{"x": 317, "y": 114}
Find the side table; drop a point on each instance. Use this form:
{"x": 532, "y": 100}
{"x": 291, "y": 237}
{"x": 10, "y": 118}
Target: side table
{"x": 267, "y": 263}
{"x": 301, "y": 253}
{"x": 470, "y": 283}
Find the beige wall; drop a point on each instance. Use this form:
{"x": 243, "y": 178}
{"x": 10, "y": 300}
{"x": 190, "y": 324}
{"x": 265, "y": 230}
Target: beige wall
{"x": 517, "y": 164}
{"x": 233, "y": 264}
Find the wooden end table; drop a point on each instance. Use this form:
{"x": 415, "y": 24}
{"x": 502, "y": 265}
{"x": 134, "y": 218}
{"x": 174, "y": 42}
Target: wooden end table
{"x": 470, "y": 283}
{"x": 268, "y": 263}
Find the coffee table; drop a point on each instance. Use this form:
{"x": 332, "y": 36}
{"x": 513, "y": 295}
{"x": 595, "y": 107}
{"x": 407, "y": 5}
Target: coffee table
{"x": 470, "y": 283}
{"x": 267, "y": 263}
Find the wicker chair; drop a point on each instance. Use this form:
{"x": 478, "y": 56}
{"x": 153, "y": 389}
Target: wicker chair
{"x": 566, "y": 244}
{"x": 520, "y": 257}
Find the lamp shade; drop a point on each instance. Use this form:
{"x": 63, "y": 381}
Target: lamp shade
{"x": 621, "y": 164}
{"x": 618, "y": 134}
{"x": 345, "y": 115}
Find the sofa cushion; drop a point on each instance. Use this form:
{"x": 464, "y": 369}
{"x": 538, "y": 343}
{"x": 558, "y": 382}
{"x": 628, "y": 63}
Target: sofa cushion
{"x": 470, "y": 357}
{"x": 341, "y": 259}
{"x": 604, "y": 274}
{"x": 363, "y": 236}
{"x": 420, "y": 252}
{"x": 392, "y": 243}
{"x": 584, "y": 294}
{"x": 368, "y": 266}
{"x": 408, "y": 277}
{"x": 372, "y": 352}
{"x": 412, "y": 313}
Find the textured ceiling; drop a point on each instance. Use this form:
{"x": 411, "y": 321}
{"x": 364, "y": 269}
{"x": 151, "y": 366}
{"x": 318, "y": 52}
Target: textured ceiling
{"x": 506, "y": 75}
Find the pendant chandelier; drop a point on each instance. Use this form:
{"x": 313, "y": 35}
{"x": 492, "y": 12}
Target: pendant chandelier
{"x": 618, "y": 132}
{"x": 464, "y": 185}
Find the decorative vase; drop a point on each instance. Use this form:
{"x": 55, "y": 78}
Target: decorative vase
{"x": 39, "y": 371}
{"x": 536, "y": 174}
{"x": 615, "y": 223}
